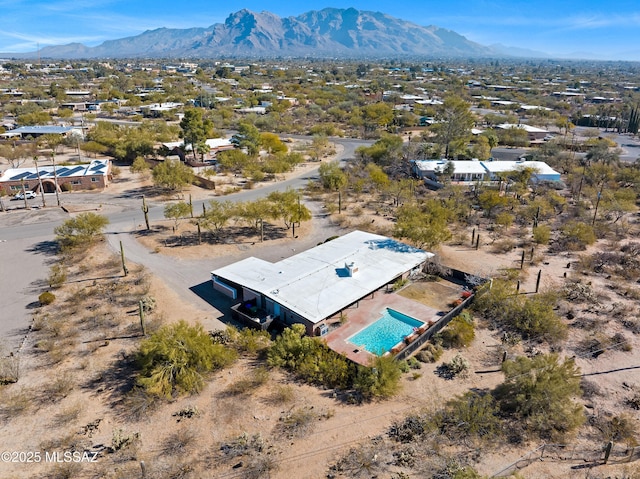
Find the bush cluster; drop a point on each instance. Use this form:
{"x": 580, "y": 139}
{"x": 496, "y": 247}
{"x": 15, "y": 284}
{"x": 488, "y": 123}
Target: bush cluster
{"x": 529, "y": 316}
{"x": 312, "y": 361}
{"x": 175, "y": 359}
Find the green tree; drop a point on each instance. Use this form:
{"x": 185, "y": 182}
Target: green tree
{"x": 176, "y": 358}
{"x": 319, "y": 145}
{"x": 481, "y": 148}
{"x": 255, "y": 212}
{"x": 540, "y": 391}
{"x": 195, "y": 129}
{"x": 332, "y": 176}
{"x": 286, "y": 205}
{"x": 235, "y": 161}
{"x": 453, "y": 125}
{"x": 248, "y": 137}
{"x": 272, "y": 143}
{"x": 425, "y": 225}
{"x": 176, "y": 212}
{"x": 489, "y": 200}
{"x": 140, "y": 165}
{"x": 172, "y": 175}
{"x": 216, "y": 216}
{"x": 376, "y": 115}
{"x": 82, "y": 230}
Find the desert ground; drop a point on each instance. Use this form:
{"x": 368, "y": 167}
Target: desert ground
{"x": 75, "y": 367}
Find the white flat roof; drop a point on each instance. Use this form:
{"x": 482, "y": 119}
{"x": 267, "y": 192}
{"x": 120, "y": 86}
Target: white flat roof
{"x": 540, "y": 167}
{"x": 315, "y": 284}
{"x": 459, "y": 166}
{"x": 522, "y": 126}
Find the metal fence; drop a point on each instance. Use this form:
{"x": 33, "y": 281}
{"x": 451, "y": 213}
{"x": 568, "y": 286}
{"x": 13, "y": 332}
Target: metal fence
{"x": 435, "y": 328}
{"x": 609, "y": 453}
{"x": 456, "y": 276}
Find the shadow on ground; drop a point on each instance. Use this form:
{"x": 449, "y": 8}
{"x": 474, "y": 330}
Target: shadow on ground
{"x": 217, "y": 300}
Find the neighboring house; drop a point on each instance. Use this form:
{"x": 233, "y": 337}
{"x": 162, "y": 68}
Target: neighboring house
{"x": 36, "y": 131}
{"x": 474, "y": 170}
{"x": 158, "y": 109}
{"x": 462, "y": 170}
{"x": 541, "y": 171}
{"x": 314, "y": 285}
{"x": 94, "y": 175}
{"x": 533, "y": 132}
{"x": 216, "y": 145}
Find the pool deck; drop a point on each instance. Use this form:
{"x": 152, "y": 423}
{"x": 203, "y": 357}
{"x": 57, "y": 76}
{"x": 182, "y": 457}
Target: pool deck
{"x": 369, "y": 311}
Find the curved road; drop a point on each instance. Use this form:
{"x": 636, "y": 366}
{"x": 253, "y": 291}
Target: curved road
{"x": 27, "y": 249}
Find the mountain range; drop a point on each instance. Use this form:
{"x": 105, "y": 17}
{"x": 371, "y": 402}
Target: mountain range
{"x": 327, "y": 33}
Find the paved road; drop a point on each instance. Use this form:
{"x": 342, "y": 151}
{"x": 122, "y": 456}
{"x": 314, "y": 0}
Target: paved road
{"x": 26, "y": 247}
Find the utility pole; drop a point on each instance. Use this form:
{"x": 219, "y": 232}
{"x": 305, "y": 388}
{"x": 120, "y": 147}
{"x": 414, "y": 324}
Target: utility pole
{"x": 595, "y": 213}
{"x": 24, "y": 194}
{"x": 55, "y": 176}
{"x": 35, "y": 160}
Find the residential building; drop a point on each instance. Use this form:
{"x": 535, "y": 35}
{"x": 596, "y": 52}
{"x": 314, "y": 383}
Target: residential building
{"x": 312, "y": 286}
{"x": 89, "y": 176}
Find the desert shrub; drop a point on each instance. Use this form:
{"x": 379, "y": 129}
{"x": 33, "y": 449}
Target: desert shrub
{"x": 9, "y": 369}
{"x": 575, "y": 236}
{"x": 503, "y": 246}
{"x": 296, "y": 423}
{"x": 399, "y": 284}
{"x": 257, "y": 378}
{"x": 539, "y": 391}
{"x": 179, "y": 442}
{"x": 175, "y": 359}
{"x": 81, "y": 230}
{"x": 15, "y": 403}
{"x": 618, "y": 428}
{"x": 529, "y": 316}
{"x": 430, "y": 353}
{"x": 409, "y": 429}
{"x": 310, "y": 359}
{"x": 362, "y": 462}
{"x": 458, "y": 366}
{"x": 541, "y": 234}
{"x": 59, "y": 388}
{"x": 57, "y": 275}
{"x": 380, "y": 380}
{"x": 458, "y": 333}
{"x": 242, "y": 445}
{"x": 281, "y": 394}
{"x": 148, "y": 303}
{"x": 46, "y": 298}
{"x": 590, "y": 388}
{"x": 249, "y": 340}
{"x": 469, "y": 415}
{"x": 121, "y": 440}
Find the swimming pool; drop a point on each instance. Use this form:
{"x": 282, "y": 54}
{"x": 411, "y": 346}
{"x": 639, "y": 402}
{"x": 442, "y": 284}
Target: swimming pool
{"x": 386, "y": 332}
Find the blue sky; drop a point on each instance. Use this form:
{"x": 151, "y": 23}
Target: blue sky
{"x": 587, "y": 29}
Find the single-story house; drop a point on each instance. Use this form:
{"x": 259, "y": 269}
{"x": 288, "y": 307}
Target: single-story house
{"x": 38, "y": 130}
{"x": 89, "y": 176}
{"x": 462, "y": 170}
{"x": 216, "y": 145}
{"x": 311, "y": 287}
{"x": 534, "y": 133}
{"x": 474, "y": 170}
{"x": 541, "y": 171}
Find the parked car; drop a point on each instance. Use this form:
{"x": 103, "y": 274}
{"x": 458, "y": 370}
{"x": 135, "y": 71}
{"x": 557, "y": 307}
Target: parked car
{"x": 29, "y": 194}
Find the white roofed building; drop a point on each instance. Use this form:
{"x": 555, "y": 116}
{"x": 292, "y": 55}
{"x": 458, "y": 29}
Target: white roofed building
{"x": 314, "y": 285}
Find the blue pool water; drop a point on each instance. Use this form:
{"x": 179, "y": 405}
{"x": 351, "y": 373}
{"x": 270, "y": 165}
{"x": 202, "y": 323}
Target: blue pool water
{"x": 386, "y": 332}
